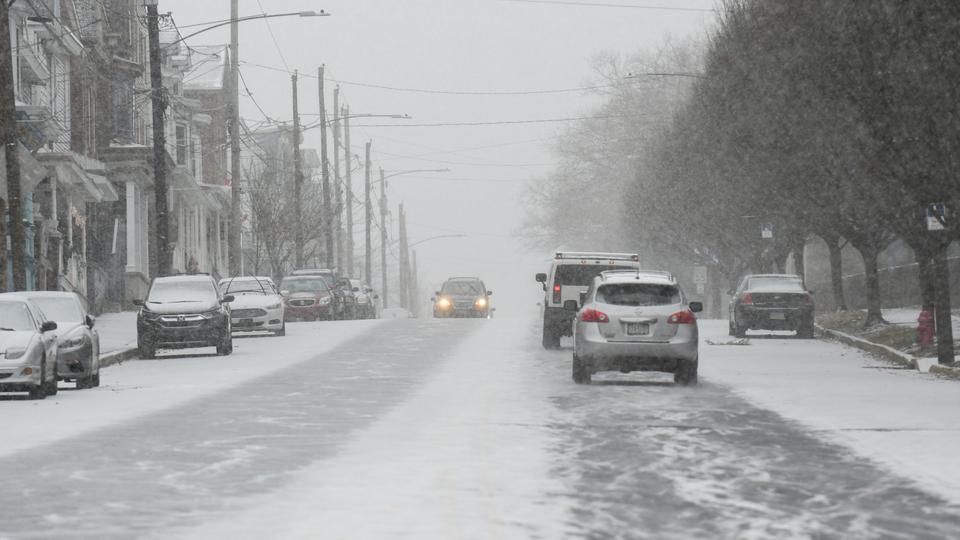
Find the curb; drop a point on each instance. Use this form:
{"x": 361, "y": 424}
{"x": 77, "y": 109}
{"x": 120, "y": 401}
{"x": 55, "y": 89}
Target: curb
{"x": 118, "y": 356}
{"x": 944, "y": 371}
{"x": 888, "y": 353}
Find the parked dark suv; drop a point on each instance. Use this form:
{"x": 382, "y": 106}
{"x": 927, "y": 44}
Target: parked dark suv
{"x": 771, "y": 302}
{"x": 183, "y": 312}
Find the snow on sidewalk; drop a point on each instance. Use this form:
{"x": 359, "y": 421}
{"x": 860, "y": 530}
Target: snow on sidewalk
{"x": 903, "y": 419}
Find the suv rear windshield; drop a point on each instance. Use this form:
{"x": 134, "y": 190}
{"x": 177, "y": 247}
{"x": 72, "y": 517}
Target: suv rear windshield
{"x": 774, "y": 284}
{"x": 247, "y": 285}
{"x": 582, "y": 275}
{"x": 638, "y": 294}
{"x": 462, "y": 287}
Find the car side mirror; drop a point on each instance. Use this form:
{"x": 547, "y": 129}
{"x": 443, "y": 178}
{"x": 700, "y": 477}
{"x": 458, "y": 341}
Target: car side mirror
{"x": 489, "y": 293}
{"x": 436, "y": 293}
{"x": 48, "y": 326}
{"x": 811, "y": 292}
{"x": 434, "y": 299}
{"x": 571, "y": 305}
{"x": 696, "y": 307}
{"x": 541, "y": 278}
{"x": 138, "y": 302}
{"x": 89, "y": 321}
{"x": 228, "y": 298}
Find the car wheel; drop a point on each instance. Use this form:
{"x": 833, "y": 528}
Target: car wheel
{"x": 686, "y": 373}
{"x": 731, "y": 330}
{"x": 806, "y": 330}
{"x": 739, "y": 331}
{"x": 282, "y": 331}
{"x": 40, "y": 391}
{"x": 581, "y": 373}
{"x": 52, "y": 385}
{"x": 225, "y": 346}
{"x": 551, "y": 338}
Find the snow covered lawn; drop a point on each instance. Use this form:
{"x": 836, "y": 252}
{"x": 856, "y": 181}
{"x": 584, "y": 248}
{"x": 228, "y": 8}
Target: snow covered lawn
{"x": 906, "y": 420}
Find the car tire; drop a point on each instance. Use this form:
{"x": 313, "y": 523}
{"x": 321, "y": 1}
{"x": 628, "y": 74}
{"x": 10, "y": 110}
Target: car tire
{"x": 40, "y": 391}
{"x": 731, "y": 330}
{"x": 147, "y": 351}
{"x": 686, "y": 373}
{"x": 53, "y": 386}
{"x": 551, "y": 338}
{"x": 225, "y": 347}
{"x": 739, "y": 331}
{"x": 282, "y": 331}
{"x": 806, "y": 330}
{"x": 581, "y": 373}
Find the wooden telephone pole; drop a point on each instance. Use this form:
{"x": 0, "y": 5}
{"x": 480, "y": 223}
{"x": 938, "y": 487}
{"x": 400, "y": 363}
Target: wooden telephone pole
{"x": 325, "y": 175}
{"x": 11, "y": 148}
{"x": 383, "y": 238}
{"x": 297, "y": 180}
{"x": 337, "y": 185}
{"x": 368, "y": 206}
{"x": 158, "y": 99}
{"x": 347, "y": 165}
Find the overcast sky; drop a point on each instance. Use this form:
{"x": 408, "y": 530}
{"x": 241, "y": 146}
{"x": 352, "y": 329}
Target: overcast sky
{"x": 446, "y": 45}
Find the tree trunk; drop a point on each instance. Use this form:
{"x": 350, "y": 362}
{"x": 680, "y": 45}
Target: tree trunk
{"x": 943, "y": 316}
{"x": 927, "y": 276}
{"x": 836, "y": 272}
{"x": 871, "y": 268}
{"x": 3, "y": 246}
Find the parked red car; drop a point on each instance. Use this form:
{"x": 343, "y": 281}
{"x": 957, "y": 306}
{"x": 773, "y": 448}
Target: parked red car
{"x": 308, "y": 298}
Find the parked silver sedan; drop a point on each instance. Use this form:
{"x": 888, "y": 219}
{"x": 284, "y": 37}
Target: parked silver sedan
{"x": 28, "y": 349}
{"x": 78, "y": 342}
{"x": 635, "y": 321}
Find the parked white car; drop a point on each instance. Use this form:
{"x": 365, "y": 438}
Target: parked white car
{"x": 257, "y": 304}
{"x": 28, "y": 349}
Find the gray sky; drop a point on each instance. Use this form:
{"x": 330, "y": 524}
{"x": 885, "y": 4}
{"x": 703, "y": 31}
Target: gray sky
{"x": 446, "y": 45}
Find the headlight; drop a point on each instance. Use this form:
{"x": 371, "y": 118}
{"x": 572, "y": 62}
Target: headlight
{"x": 14, "y": 353}
{"x": 274, "y": 306}
{"x": 75, "y": 342}
{"x": 481, "y": 302}
{"x": 211, "y": 314}
{"x": 443, "y": 302}
{"x": 324, "y": 300}
{"x": 149, "y": 315}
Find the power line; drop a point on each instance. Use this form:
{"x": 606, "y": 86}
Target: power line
{"x": 273, "y": 37}
{"x": 492, "y": 123}
{"x": 610, "y": 5}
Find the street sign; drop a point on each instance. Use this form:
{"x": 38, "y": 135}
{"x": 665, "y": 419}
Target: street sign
{"x": 936, "y": 216}
{"x": 766, "y": 230}
{"x": 700, "y": 275}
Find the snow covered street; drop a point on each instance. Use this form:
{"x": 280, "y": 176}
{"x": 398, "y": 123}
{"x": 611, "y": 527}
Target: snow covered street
{"x": 423, "y": 428}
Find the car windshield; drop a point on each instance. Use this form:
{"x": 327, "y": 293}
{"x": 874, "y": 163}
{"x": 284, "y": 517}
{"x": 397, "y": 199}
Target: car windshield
{"x": 775, "y": 284}
{"x": 173, "y": 291}
{"x": 240, "y": 286}
{"x": 582, "y": 275}
{"x": 462, "y": 287}
{"x": 15, "y": 316}
{"x": 638, "y": 294}
{"x": 59, "y": 309}
{"x": 304, "y": 284}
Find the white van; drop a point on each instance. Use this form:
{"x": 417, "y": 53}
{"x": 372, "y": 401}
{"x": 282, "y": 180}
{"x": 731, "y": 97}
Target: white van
{"x": 571, "y": 274}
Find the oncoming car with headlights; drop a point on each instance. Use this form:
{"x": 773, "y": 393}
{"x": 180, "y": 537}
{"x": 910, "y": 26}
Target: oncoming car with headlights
{"x": 182, "y": 312}
{"x": 462, "y": 297}
{"x": 256, "y": 306}
{"x": 634, "y": 320}
{"x": 366, "y": 299}
{"x": 78, "y": 342}
{"x": 28, "y": 349}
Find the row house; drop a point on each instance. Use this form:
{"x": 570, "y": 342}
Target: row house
{"x": 81, "y": 74}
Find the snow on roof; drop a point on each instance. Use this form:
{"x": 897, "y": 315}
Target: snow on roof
{"x": 208, "y": 69}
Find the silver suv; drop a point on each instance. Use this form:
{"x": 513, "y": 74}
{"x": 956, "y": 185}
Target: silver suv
{"x": 635, "y": 320}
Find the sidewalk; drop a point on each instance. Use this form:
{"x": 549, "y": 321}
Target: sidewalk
{"x": 118, "y": 336}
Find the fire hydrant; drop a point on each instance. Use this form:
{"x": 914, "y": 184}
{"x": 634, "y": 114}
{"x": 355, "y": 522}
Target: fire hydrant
{"x": 925, "y": 328}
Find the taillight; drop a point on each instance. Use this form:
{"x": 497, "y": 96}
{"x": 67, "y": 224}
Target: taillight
{"x": 556, "y": 293}
{"x": 747, "y": 298}
{"x": 682, "y": 317}
{"x": 592, "y": 315}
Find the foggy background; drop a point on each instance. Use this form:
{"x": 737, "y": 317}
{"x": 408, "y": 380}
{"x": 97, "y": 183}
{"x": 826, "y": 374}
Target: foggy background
{"x": 482, "y": 46}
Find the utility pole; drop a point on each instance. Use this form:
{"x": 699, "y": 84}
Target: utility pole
{"x": 325, "y": 172}
{"x": 349, "y": 179}
{"x": 414, "y": 286}
{"x": 368, "y": 206}
{"x": 11, "y": 146}
{"x": 338, "y": 186}
{"x": 158, "y": 100}
{"x": 234, "y": 246}
{"x": 383, "y": 237}
{"x": 404, "y": 290}
{"x": 297, "y": 180}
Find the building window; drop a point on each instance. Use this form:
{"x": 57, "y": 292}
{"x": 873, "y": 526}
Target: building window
{"x": 181, "y": 145}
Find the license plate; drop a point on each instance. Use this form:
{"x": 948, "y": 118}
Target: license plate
{"x": 638, "y": 329}
{"x": 777, "y": 316}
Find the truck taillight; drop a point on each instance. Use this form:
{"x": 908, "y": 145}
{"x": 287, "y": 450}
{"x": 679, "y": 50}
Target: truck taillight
{"x": 592, "y": 315}
{"x": 556, "y": 293}
{"x": 682, "y": 317}
{"x": 747, "y": 298}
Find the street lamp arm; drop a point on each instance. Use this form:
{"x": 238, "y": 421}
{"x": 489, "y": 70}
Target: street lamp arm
{"x": 461, "y": 235}
{"x": 321, "y": 13}
{"x": 398, "y": 173}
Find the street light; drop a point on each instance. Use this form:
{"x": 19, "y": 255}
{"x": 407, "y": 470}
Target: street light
{"x": 225, "y": 22}
{"x": 383, "y": 178}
